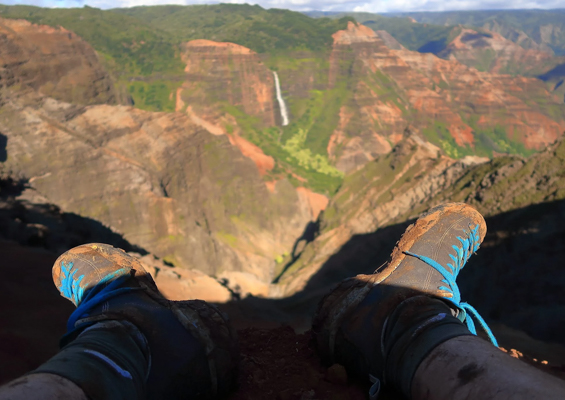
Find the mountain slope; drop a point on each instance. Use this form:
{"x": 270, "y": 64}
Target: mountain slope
{"x": 490, "y": 51}
{"x": 438, "y": 96}
{"x": 53, "y": 61}
{"x": 250, "y": 26}
{"x": 414, "y": 36}
{"x": 142, "y": 60}
{"x": 541, "y": 29}
{"x": 515, "y": 278}
{"x": 415, "y": 176}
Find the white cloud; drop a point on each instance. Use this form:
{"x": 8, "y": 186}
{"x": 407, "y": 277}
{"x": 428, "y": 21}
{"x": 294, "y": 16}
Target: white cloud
{"x": 378, "y": 6}
{"x": 381, "y": 6}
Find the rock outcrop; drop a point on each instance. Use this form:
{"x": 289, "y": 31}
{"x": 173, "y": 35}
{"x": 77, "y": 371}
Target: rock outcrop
{"x": 55, "y": 62}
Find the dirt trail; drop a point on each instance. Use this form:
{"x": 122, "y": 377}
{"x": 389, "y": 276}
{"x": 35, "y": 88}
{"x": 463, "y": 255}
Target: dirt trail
{"x": 278, "y": 364}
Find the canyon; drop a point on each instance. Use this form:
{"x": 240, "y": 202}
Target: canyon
{"x": 279, "y": 173}
{"x": 366, "y": 96}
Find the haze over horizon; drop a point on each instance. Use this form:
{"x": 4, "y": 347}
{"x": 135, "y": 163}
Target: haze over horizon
{"x": 386, "y": 6}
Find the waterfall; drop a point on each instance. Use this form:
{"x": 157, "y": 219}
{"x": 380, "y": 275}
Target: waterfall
{"x": 282, "y": 104}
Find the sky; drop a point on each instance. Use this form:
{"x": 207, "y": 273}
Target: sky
{"x": 376, "y": 6}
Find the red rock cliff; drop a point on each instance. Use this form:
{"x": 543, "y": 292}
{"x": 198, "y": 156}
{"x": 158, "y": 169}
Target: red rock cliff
{"x": 54, "y": 61}
{"x": 392, "y": 89}
{"x": 227, "y": 72}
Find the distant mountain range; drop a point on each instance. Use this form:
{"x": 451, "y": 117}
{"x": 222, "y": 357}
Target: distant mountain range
{"x": 522, "y": 42}
{"x": 532, "y": 29}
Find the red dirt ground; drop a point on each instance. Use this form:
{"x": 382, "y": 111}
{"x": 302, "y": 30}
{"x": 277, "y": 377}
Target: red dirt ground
{"x": 278, "y": 364}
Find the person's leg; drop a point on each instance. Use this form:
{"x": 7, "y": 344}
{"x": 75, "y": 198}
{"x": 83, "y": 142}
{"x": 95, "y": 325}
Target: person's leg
{"x": 468, "y": 367}
{"x": 388, "y": 325}
{"x": 44, "y": 386}
{"x": 126, "y": 341}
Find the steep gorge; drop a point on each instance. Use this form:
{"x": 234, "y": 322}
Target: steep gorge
{"x": 195, "y": 188}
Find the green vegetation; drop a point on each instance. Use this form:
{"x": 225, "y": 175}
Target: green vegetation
{"x": 319, "y": 118}
{"x": 487, "y": 58}
{"x": 496, "y": 139}
{"x": 304, "y": 157}
{"x": 293, "y": 159}
{"x": 487, "y": 141}
{"x": 439, "y": 135}
{"x": 134, "y": 47}
{"x": 250, "y": 26}
{"x": 153, "y": 96}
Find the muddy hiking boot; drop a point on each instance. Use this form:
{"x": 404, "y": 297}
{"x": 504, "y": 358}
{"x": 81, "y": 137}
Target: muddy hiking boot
{"x": 125, "y": 340}
{"x": 383, "y": 325}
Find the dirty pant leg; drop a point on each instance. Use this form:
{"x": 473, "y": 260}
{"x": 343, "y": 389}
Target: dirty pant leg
{"x": 41, "y": 386}
{"x": 468, "y": 367}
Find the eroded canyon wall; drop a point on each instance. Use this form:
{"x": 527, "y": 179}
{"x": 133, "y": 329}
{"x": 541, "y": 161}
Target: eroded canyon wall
{"x": 53, "y": 61}
{"x": 162, "y": 181}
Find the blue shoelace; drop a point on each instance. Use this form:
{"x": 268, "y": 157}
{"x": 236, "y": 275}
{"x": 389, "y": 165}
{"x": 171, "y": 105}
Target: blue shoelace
{"x": 70, "y": 288}
{"x": 463, "y": 253}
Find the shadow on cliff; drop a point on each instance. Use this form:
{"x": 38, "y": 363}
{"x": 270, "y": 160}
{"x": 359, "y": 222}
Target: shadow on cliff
{"x": 33, "y": 314}
{"x": 3, "y": 147}
{"x": 308, "y": 235}
{"x": 30, "y": 222}
{"x": 515, "y": 279}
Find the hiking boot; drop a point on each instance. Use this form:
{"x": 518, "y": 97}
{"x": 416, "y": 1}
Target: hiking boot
{"x": 190, "y": 348}
{"x": 384, "y": 324}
